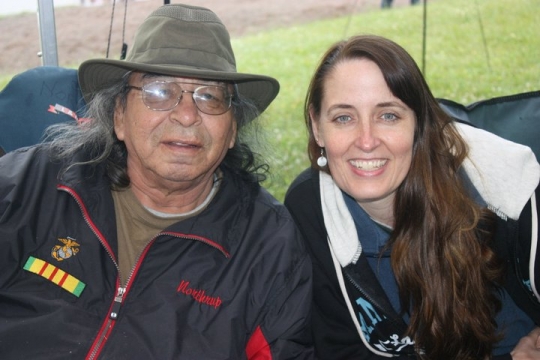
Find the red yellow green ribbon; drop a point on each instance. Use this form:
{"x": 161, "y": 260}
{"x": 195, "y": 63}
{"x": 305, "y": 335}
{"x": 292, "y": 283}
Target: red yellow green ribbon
{"x": 54, "y": 274}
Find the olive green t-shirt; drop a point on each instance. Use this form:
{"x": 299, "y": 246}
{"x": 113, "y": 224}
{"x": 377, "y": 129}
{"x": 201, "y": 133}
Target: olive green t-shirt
{"x": 138, "y": 225}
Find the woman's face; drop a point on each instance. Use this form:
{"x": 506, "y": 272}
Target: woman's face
{"x": 367, "y": 133}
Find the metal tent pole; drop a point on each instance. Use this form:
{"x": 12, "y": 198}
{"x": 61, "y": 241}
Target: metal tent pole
{"x": 424, "y": 39}
{"x": 47, "y": 33}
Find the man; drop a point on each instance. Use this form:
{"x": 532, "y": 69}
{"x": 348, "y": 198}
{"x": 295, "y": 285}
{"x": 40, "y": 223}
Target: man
{"x": 143, "y": 233}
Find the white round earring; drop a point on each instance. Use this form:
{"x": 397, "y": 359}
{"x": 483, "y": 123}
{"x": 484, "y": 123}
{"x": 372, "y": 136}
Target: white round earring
{"x": 321, "y": 160}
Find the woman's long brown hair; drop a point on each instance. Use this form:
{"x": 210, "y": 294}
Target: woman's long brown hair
{"x": 446, "y": 272}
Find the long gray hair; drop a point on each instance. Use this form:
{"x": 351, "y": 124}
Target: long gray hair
{"x": 98, "y": 140}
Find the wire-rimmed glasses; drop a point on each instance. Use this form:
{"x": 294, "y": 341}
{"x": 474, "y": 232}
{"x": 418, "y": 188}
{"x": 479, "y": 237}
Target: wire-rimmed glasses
{"x": 166, "y": 95}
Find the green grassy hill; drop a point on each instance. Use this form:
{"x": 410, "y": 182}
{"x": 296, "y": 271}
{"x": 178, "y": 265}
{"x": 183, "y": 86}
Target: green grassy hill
{"x": 474, "y": 50}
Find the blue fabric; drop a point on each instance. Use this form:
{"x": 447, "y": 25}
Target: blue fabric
{"x": 26, "y": 101}
{"x": 373, "y": 238}
{"x": 513, "y": 322}
{"x": 514, "y": 117}
{"x": 511, "y": 319}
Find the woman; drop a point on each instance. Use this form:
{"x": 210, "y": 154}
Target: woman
{"x": 420, "y": 229}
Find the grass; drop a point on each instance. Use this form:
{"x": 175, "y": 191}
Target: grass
{"x": 475, "y": 50}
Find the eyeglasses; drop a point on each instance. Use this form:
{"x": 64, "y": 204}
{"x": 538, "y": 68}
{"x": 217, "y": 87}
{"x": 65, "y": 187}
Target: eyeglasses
{"x": 166, "y": 95}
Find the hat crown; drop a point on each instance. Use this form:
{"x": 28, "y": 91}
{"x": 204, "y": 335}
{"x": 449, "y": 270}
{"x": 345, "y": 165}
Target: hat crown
{"x": 180, "y": 41}
{"x": 183, "y": 35}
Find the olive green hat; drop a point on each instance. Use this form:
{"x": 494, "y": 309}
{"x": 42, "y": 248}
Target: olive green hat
{"x": 180, "y": 40}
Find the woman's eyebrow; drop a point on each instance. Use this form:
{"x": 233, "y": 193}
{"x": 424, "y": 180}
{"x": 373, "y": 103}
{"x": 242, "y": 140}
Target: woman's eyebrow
{"x": 391, "y": 104}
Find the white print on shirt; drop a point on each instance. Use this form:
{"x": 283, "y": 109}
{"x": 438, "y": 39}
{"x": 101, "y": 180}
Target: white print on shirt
{"x": 374, "y": 317}
{"x": 394, "y": 344}
{"x": 367, "y": 312}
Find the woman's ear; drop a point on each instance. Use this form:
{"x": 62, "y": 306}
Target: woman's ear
{"x": 315, "y": 127}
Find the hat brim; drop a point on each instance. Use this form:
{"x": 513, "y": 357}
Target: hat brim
{"x": 97, "y": 74}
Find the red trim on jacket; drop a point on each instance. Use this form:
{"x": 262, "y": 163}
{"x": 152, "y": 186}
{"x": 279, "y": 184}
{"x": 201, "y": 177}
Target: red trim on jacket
{"x": 258, "y": 347}
{"x": 199, "y": 238}
{"x": 86, "y": 216}
{"x": 99, "y": 341}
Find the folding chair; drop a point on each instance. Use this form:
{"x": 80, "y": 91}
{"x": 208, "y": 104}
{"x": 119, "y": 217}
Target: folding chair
{"x": 513, "y": 117}
{"x": 35, "y": 99}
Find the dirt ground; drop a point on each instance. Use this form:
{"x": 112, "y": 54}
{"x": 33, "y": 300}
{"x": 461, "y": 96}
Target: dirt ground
{"x": 82, "y": 32}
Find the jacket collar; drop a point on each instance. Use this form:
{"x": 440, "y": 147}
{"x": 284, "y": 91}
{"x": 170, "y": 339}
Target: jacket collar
{"x": 219, "y": 222}
{"x": 505, "y": 173}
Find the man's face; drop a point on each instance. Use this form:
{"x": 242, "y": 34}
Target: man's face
{"x": 173, "y": 149}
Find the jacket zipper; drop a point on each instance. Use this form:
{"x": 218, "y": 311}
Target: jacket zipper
{"x": 121, "y": 292}
{"x": 117, "y": 303}
{"x": 106, "y": 330}
{"x": 361, "y": 333}
{"x": 357, "y": 287}
{"x": 90, "y": 224}
{"x": 113, "y": 313}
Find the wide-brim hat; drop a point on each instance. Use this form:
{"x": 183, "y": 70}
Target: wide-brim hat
{"x": 180, "y": 40}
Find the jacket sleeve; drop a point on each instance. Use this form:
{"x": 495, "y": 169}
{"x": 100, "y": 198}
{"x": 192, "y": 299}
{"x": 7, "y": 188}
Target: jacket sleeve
{"x": 521, "y": 251}
{"x": 334, "y": 333}
{"x": 284, "y": 332}
{"x": 514, "y": 244}
{"x": 528, "y": 252}
{"x": 536, "y": 266}
{"x": 286, "y": 276}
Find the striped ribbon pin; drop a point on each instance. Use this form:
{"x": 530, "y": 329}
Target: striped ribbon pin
{"x": 56, "y": 275}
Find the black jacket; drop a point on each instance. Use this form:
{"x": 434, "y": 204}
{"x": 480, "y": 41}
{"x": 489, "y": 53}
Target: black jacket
{"x": 233, "y": 282}
{"x": 334, "y": 332}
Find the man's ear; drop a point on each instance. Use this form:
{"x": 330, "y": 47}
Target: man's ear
{"x": 233, "y": 138}
{"x": 119, "y": 119}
